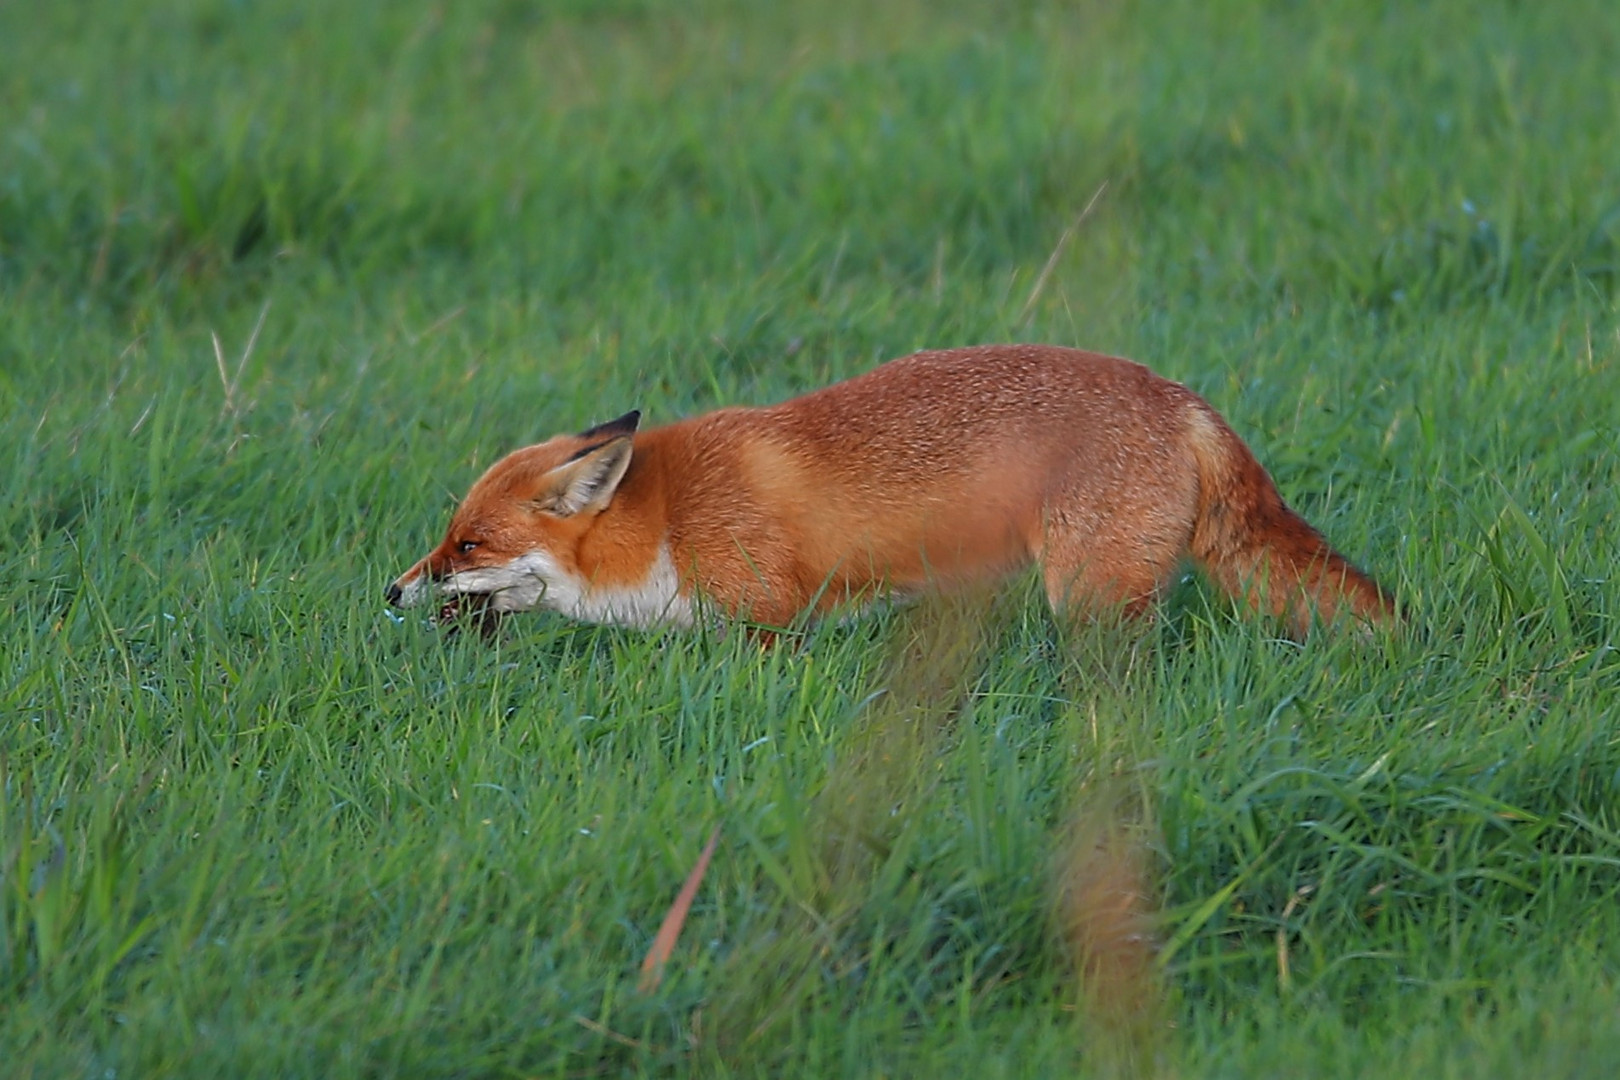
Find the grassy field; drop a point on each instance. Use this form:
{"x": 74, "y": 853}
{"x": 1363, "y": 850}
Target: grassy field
{"x": 277, "y": 280}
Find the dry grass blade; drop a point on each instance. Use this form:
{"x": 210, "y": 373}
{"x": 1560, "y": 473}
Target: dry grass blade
{"x": 652, "y": 968}
{"x": 608, "y": 1033}
{"x": 1057, "y": 252}
{"x": 232, "y": 383}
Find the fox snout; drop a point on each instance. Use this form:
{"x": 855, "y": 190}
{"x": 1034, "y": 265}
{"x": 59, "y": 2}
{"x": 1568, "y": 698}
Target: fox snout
{"x": 411, "y": 587}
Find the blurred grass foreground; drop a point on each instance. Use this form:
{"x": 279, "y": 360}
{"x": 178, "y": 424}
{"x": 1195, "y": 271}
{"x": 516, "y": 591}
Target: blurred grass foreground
{"x": 277, "y": 280}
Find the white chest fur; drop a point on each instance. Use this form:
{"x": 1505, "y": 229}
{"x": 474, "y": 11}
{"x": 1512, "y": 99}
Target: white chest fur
{"x": 538, "y": 580}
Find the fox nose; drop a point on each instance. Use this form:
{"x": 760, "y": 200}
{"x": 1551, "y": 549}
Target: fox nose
{"x": 393, "y": 594}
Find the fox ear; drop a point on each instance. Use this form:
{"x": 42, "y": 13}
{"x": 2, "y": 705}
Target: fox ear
{"x": 624, "y": 425}
{"x": 586, "y": 483}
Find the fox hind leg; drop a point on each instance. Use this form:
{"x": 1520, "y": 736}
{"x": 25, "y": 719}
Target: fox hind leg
{"x": 1118, "y": 562}
{"x": 1100, "y": 578}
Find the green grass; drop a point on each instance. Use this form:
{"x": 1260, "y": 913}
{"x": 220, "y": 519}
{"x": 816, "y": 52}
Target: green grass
{"x": 250, "y": 824}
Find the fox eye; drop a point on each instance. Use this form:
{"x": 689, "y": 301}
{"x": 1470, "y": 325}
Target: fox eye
{"x": 466, "y": 546}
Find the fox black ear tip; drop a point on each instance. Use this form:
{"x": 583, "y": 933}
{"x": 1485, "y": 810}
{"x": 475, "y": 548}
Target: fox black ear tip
{"x": 624, "y": 425}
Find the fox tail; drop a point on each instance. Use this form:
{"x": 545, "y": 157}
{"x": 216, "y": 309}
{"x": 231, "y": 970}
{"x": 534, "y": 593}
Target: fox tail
{"x": 1259, "y": 550}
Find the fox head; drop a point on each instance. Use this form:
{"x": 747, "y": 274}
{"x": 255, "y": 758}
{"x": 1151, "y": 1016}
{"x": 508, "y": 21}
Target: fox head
{"x": 511, "y": 543}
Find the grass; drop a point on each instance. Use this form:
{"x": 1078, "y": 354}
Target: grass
{"x": 253, "y": 825}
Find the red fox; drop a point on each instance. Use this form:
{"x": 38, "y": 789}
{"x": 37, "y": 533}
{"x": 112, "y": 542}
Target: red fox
{"x": 936, "y": 469}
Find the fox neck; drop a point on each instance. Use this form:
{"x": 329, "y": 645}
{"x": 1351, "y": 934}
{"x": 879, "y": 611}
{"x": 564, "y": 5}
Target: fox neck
{"x": 652, "y": 598}
{"x": 627, "y": 574}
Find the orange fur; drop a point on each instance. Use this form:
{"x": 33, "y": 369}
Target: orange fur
{"x": 935, "y": 469}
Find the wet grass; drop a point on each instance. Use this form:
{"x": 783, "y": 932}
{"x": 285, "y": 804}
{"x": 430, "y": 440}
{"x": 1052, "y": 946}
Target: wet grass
{"x": 253, "y": 825}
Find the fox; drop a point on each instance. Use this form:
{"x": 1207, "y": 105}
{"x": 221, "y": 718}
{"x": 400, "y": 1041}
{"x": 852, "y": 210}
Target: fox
{"x": 942, "y": 469}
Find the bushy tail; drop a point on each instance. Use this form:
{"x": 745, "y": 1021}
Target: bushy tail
{"x": 1258, "y": 549}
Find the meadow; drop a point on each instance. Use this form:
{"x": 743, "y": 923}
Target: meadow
{"x": 278, "y": 280}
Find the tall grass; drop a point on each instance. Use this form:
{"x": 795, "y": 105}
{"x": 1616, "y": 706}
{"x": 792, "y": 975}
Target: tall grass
{"x": 253, "y": 824}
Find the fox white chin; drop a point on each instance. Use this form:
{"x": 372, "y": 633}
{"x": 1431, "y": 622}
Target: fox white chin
{"x": 537, "y": 582}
